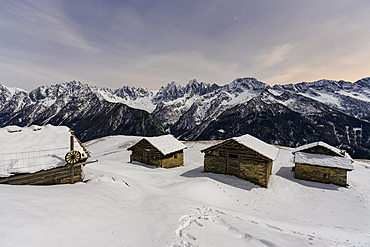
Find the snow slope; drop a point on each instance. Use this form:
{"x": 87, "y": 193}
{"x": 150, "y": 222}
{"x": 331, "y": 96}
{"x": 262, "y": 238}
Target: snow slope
{"x": 132, "y": 204}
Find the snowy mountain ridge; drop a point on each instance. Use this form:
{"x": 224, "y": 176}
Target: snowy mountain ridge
{"x": 337, "y": 112}
{"x": 77, "y": 106}
{"x": 173, "y": 91}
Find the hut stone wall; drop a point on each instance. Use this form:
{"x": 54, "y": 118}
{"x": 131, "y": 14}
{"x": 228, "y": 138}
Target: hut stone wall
{"x": 321, "y": 174}
{"x": 251, "y": 165}
{"x": 146, "y": 153}
{"x": 173, "y": 160}
{"x": 256, "y": 171}
{"x": 216, "y": 164}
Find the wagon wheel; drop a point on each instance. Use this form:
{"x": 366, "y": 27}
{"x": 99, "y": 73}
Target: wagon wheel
{"x": 73, "y": 156}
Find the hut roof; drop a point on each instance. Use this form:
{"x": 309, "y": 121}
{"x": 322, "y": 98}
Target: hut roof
{"x": 34, "y": 148}
{"x": 255, "y": 144}
{"x": 35, "y": 138}
{"x": 325, "y": 145}
{"x": 323, "y": 160}
{"x": 166, "y": 144}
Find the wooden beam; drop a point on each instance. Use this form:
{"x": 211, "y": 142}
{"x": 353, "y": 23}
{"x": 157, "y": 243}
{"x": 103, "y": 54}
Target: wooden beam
{"x": 54, "y": 170}
{"x": 71, "y": 142}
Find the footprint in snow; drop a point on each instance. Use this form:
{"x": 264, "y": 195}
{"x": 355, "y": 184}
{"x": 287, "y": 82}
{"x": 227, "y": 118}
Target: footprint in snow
{"x": 195, "y": 218}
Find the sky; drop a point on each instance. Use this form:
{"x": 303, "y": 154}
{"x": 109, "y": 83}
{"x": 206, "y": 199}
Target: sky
{"x": 151, "y": 43}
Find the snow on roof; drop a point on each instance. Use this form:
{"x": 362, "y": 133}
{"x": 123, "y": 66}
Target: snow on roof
{"x": 323, "y": 160}
{"x": 35, "y": 138}
{"x": 322, "y": 144}
{"x": 34, "y": 148}
{"x": 166, "y": 144}
{"x": 257, "y": 145}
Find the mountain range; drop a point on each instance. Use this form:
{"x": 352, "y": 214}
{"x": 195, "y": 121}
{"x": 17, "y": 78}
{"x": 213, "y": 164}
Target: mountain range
{"x": 336, "y": 112}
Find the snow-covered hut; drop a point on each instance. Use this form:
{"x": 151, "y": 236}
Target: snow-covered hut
{"x": 323, "y": 163}
{"x": 40, "y": 155}
{"x": 245, "y": 156}
{"x": 164, "y": 151}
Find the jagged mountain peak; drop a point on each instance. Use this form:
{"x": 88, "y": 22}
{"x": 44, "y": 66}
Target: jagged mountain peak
{"x": 174, "y": 90}
{"x": 364, "y": 82}
{"x": 11, "y": 90}
{"x": 170, "y": 92}
{"x": 70, "y": 86}
{"x": 16, "y": 96}
{"x": 132, "y": 93}
{"x": 246, "y": 83}
{"x": 323, "y": 84}
{"x": 193, "y": 81}
{"x": 194, "y": 87}
{"x": 66, "y": 89}
{"x": 171, "y": 86}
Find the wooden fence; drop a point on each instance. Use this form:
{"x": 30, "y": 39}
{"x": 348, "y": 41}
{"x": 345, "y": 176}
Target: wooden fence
{"x": 42, "y": 167}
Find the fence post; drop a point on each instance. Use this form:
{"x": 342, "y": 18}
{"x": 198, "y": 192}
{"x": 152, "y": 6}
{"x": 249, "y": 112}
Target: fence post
{"x": 72, "y": 166}
{"x": 71, "y": 142}
{"x": 72, "y": 174}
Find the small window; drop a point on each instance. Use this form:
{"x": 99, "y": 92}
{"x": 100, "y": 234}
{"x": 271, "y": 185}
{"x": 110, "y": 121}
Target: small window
{"x": 326, "y": 175}
{"x": 233, "y": 156}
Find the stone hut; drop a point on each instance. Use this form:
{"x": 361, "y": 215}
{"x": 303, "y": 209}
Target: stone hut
{"x": 164, "y": 151}
{"x": 245, "y": 157}
{"x": 323, "y": 163}
{"x": 41, "y": 155}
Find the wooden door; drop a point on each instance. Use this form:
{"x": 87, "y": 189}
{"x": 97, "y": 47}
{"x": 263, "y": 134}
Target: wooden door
{"x": 146, "y": 156}
{"x": 233, "y": 164}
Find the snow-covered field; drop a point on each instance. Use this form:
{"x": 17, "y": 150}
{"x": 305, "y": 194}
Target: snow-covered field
{"x": 132, "y": 204}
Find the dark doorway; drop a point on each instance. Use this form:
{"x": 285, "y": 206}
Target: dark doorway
{"x": 146, "y": 156}
{"x": 233, "y": 164}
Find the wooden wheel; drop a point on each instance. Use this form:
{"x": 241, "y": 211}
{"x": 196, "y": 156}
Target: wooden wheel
{"x": 73, "y": 156}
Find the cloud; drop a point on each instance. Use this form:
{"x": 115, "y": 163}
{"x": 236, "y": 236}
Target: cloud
{"x": 142, "y": 43}
{"x": 350, "y": 67}
{"x": 277, "y": 55}
{"x": 37, "y": 25}
{"x": 288, "y": 76}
